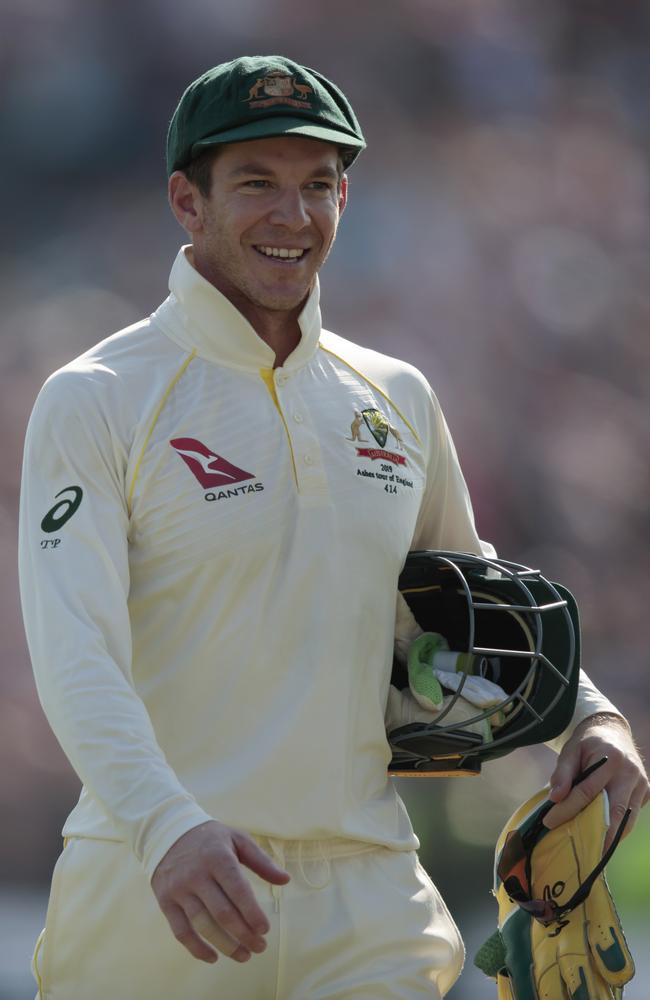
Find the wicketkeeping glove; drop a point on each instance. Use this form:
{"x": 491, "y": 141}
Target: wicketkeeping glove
{"x": 559, "y": 935}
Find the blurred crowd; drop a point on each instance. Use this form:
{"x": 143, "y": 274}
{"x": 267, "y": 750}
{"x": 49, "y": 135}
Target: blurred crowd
{"x": 497, "y": 236}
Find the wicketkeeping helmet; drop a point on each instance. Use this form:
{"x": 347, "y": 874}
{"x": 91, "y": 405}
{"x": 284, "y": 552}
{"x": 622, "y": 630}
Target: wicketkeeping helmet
{"x": 517, "y": 630}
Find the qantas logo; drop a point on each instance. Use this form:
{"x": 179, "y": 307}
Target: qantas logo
{"x": 209, "y": 468}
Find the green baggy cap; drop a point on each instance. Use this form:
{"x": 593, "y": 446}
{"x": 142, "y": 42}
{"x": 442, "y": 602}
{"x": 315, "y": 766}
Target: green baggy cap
{"x": 256, "y": 97}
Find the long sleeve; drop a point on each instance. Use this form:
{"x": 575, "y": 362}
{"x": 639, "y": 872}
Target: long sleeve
{"x": 74, "y": 577}
{"x": 446, "y": 521}
{"x": 446, "y": 518}
{"x": 590, "y": 701}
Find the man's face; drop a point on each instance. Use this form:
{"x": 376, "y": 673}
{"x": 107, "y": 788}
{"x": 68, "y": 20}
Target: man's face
{"x": 270, "y": 219}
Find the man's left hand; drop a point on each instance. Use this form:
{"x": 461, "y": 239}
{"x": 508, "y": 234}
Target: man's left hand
{"x": 623, "y": 775}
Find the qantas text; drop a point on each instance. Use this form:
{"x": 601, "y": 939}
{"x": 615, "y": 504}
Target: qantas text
{"x": 236, "y": 491}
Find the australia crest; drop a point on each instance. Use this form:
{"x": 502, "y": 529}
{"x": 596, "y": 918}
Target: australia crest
{"x": 279, "y": 87}
{"x": 374, "y": 422}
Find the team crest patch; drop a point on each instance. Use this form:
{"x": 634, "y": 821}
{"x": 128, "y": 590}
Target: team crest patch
{"x": 380, "y": 427}
{"x": 279, "y": 88}
{"x": 377, "y": 424}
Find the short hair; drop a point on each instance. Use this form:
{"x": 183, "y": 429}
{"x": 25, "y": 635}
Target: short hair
{"x": 199, "y": 170}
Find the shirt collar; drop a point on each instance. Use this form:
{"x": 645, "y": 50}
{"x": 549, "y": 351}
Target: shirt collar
{"x": 199, "y": 318}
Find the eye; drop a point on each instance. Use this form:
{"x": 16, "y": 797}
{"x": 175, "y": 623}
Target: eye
{"x": 258, "y": 183}
{"x": 320, "y": 185}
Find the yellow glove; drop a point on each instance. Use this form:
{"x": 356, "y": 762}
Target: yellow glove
{"x": 559, "y": 934}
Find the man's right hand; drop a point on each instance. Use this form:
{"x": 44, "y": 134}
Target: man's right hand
{"x": 205, "y": 895}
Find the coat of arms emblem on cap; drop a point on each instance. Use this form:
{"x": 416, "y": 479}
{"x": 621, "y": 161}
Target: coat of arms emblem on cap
{"x": 280, "y": 88}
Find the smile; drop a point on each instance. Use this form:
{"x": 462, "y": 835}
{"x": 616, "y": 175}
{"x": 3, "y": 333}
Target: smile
{"x": 284, "y": 254}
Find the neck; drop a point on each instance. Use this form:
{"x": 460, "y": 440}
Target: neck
{"x": 279, "y": 328}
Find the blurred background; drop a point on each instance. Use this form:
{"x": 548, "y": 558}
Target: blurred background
{"x": 497, "y": 236}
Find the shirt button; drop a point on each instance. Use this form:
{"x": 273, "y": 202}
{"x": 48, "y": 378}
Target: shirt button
{"x": 308, "y": 460}
{"x": 298, "y": 418}
{"x": 281, "y": 379}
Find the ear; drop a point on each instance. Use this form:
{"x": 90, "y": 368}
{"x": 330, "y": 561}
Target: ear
{"x": 343, "y": 194}
{"x": 185, "y": 202}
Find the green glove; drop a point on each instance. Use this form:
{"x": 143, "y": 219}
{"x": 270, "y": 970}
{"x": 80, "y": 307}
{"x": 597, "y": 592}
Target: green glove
{"x": 559, "y": 937}
{"x": 425, "y": 687}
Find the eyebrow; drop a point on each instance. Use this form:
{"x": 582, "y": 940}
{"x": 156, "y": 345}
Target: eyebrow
{"x": 261, "y": 171}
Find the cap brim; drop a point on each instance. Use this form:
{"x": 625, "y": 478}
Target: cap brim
{"x": 273, "y": 126}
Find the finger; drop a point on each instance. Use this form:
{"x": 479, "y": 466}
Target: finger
{"x": 616, "y": 818}
{"x": 608, "y": 948}
{"x": 560, "y": 781}
{"x": 258, "y": 860}
{"x": 226, "y": 916}
{"x": 548, "y": 981}
{"x": 232, "y": 882}
{"x": 504, "y": 988}
{"x": 569, "y": 772}
{"x": 580, "y": 979}
{"x": 183, "y": 932}
{"x": 204, "y": 925}
{"x": 577, "y": 799}
{"x": 617, "y": 812}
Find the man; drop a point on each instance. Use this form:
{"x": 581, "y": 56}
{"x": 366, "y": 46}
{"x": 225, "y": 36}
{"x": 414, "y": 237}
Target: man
{"x": 209, "y": 566}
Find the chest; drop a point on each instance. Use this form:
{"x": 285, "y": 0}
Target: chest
{"x": 232, "y": 460}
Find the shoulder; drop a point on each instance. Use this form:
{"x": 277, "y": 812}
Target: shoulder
{"x": 390, "y": 374}
{"x": 128, "y": 358}
{"x": 402, "y": 384}
{"x": 110, "y": 378}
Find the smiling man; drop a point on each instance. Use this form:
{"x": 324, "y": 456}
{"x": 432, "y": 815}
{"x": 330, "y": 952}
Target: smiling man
{"x": 263, "y": 226}
{"x": 217, "y": 503}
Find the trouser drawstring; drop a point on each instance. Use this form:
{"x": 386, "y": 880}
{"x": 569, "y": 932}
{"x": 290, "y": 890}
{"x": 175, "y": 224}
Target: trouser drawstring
{"x": 276, "y": 850}
{"x": 322, "y": 857}
{"x": 317, "y": 854}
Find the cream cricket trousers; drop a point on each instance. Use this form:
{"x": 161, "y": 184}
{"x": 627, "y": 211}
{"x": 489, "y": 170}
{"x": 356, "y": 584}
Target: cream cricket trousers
{"x": 362, "y": 926}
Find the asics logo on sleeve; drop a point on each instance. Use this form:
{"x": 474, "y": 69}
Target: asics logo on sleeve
{"x": 62, "y": 511}
{"x": 209, "y": 468}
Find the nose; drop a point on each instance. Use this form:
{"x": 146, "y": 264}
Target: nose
{"x": 289, "y": 210}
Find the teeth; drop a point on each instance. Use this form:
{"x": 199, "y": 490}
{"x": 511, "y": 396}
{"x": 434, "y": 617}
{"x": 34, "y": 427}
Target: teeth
{"x": 280, "y": 252}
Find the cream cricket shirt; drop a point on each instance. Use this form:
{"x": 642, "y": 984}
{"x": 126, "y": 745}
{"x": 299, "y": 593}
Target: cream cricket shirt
{"x": 210, "y": 551}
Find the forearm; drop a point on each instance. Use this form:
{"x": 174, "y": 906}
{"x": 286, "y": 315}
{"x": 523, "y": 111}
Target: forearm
{"x": 590, "y": 703}
{"x": 106, "y": 733}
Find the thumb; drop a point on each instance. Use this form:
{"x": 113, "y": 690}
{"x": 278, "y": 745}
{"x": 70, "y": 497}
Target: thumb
{"x": 258, "y": 860}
